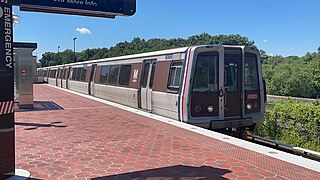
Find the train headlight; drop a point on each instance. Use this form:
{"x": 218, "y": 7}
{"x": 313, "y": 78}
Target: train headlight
{"x": 210, "y": 108}
{"x": 255, "y": 105}
{"x": 249, "y": 106}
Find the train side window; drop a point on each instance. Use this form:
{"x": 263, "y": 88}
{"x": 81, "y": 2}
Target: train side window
{"x": 83, "y": 73}
{"x": 61, "y": 74}
{"x": 65, "y": 74}
{"x": 124, "y": 77}
{"x": 113, "y": 77}
{"x": 53, "y": 73}
{"x": 74, "y": 73}
{"x": 58, "y": 74}
{"x": 104, "y": 74}
{"x": 175, "y": 75}
{"x": 78, "y": 77}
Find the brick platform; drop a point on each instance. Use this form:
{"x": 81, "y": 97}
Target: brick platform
{"x": 68, "y": 136}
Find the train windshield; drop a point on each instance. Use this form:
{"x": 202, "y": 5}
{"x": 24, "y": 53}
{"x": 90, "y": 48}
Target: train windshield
{"x": 251, "y": 82}
{"x": 206, "y": 73}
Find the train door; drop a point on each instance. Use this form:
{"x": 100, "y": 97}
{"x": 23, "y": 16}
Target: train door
{"x": 206, "y": 95}
{"x": 149, "y": 67}
{"x": 233, "y": 83}
{"x": 91, "y": 80}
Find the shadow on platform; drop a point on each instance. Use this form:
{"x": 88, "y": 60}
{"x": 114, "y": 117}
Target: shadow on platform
{"x": 38, "y": 125}
{"x": 41, "y": 106}
{"x": 173, "y": 173}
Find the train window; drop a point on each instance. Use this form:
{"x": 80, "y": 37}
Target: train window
{"x": 175, "y": 75}
{"x": 206, "y": 73}
{"x": 113, "y": 77}
{"x": 231, "y": 75}
{"x": 251, "y": 72}
{"x": 73, "y": 77}
{"x": 104, "y": 74}
{"x": 74, "y": 73}
{"x": 61, "y": 73}
{"x": 65, "y": 74}
{"x": 83, "y": 73}
{"x": 152, "y": 74}
{"x": 78, "y": 75}
{"x": 58, "y": 73}
{"x": 124, "y": 77}
{"x": 53, "y": 73}
{"x": 145, "y": 75}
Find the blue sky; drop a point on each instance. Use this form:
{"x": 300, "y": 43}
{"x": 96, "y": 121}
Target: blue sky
{"x": 282, "y": 27}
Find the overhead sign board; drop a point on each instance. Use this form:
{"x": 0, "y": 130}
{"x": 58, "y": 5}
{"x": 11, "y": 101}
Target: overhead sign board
{"x": 96, "y": 8}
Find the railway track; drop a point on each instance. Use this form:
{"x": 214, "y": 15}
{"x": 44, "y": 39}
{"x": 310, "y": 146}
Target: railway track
{"x": 284, "y": 147}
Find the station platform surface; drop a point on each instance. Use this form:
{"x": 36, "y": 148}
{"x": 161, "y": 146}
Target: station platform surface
{"x": 68, "y": 136}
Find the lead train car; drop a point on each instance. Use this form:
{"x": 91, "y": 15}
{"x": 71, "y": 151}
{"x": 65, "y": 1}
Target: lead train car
{"x": 212, "y": 86}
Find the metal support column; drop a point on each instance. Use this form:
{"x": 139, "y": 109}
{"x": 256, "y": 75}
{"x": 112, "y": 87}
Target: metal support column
{"x": 7, "y": 138}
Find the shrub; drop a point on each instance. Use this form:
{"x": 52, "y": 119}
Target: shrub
{"x": 293, "y": 123}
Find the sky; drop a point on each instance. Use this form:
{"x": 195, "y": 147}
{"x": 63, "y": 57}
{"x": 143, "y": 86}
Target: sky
{"x": 280, "y": 27}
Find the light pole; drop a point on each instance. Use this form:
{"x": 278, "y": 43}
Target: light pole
{"x": 74, "y": 48}
{"x": 58, "y": 55}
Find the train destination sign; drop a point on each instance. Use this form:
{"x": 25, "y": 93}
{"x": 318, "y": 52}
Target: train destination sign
{"x": 96, "y": 8}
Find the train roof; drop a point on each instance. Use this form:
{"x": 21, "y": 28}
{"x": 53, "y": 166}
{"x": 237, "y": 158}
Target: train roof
{"x": 133, "y": 56}
{"x": 141, "y": 55}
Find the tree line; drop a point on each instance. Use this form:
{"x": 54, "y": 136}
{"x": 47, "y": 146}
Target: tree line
{"x": 293, "y": 76}
{"x": 286, "y": 76}
{"x": 138, "y": 45}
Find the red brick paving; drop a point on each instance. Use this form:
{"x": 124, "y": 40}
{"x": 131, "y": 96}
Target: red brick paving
{"x": 88, "y": 139}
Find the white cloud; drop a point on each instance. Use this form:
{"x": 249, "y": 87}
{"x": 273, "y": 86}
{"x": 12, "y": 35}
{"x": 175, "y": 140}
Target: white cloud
{"x": 265, "y": 41}
{"x": 83, "y": 31}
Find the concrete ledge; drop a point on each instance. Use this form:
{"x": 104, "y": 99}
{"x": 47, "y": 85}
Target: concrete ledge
{"x": 20, "y": 174}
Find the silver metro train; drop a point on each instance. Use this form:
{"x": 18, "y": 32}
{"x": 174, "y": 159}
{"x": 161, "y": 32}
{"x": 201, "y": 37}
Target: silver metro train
{"x": 211, "y": 86}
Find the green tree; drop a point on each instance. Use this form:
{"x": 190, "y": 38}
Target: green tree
{"x": 138, "y": 45}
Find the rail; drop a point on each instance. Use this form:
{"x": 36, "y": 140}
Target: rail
{"x": 285, "y": 147}
{"x": 286, "y": 98}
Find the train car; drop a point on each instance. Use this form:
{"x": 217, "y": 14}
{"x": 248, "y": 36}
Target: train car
{"x": 211, "y": 86}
